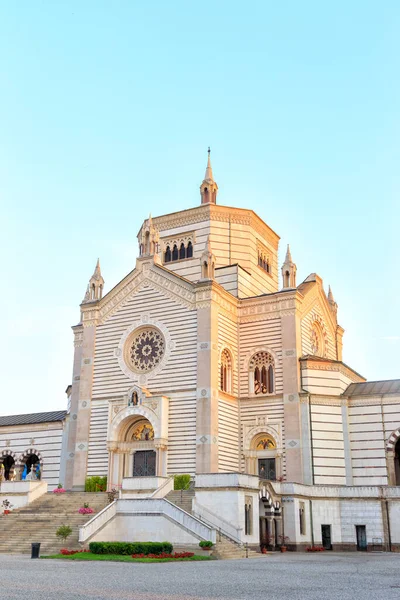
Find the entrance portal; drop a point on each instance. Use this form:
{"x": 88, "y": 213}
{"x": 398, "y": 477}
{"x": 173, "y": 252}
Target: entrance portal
{"x": 397, "y": 462}
{"x": 266, "y": 468}
{"x": 8, "y": 463}
{"x": 32, "y": 467}
{"x": 144, "y": 463}
{"x": 361, "y": 538}
{"x": 326, "y": 537}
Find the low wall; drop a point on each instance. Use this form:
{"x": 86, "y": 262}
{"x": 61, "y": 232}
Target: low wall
{"x": 21, "y": 493}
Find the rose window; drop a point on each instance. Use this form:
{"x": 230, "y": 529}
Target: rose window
{"x": 146, "y": 350}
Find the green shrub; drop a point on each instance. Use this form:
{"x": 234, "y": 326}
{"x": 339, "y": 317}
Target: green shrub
{"x": 206, "y": 544}
{"x": 63, "y": 532}
{"x": 96, "y": 484}
{"x": 129, "y": 548}
{"x": 181, "y": 482}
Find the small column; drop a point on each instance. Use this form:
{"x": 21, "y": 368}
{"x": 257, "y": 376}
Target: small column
{"x": 263, "y": 530}
{"x": 271, "y": 527}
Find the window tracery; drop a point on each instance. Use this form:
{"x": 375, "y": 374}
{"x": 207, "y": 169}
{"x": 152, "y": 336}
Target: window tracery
{"x": 262, "y": 370}
{"x": 146, "y": 350}
{"x": 226, "y": 372}
{"x": 317, "y": 340}
{"x": 178, "y": 248}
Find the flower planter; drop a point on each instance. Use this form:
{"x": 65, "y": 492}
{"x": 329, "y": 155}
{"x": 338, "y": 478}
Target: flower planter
{"x": 283, "y": 548}
{"x": 7, "y": 512}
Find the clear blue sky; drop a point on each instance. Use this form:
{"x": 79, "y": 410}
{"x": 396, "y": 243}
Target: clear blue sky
{"x": 107, "y": 109}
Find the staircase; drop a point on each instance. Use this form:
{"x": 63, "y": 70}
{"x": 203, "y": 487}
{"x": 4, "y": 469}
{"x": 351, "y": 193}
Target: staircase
{"x": 182, "y": 498}
{"x": 39, "y": 521}
{"x": 225, "y": 546}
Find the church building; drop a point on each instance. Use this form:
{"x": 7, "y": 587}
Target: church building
{"x": 210, "y": 359}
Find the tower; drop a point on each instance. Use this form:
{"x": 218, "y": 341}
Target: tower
{"x": 94, "y": 290}
{"x": 289, "y": 271}
{"x": 209, "y": 188}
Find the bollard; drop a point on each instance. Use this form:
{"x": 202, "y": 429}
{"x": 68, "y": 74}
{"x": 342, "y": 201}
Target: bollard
{"x": 35, "y": 550}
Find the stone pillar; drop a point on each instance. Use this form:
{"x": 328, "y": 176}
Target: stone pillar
{"x": 84, "y": 403}
{"x": 73, "y": 418}
{"x": 263, "y": 530}
{"x": 291, "y": 350}
{"x": 306, "y": 439}
{"x": 207, "y": 380}
{"x": 278, "y": 530}
{"x": 271, "y": 527}
{"x": 346, "y": 443}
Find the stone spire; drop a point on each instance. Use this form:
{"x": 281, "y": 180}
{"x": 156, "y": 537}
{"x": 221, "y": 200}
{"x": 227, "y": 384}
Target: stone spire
{"x": 209, "y": 188}
{"x": 289, "y": 271}
{"x": 332, "y": 302}
{"x": 94, "y": 290}
{"x": 207, "y": 260}
{"x": 148, "y": 238}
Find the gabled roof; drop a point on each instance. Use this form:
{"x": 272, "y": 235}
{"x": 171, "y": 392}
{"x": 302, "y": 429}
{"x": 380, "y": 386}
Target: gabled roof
{"x": 372, "y": 388}
{"x": 33, "y": 418}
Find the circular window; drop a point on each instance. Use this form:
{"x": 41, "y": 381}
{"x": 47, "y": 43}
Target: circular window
{"x": 144, "y": 349}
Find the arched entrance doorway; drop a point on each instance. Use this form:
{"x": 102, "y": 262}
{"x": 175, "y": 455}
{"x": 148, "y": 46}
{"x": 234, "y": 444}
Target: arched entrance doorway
{"x": 30, "y": 464}
{"x": 397, "y": 463}
{"x": 135, "y": 450}
{"x": 140, "y": 436}
{"x": 7, "y": 468}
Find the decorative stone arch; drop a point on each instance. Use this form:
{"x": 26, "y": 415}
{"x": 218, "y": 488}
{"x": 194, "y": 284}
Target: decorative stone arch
{"x": 393, "y": 469}
{"x": 255, "y": 350}
{"x": 132, "y": 411}
{"x": 392, "y": 440}
{"x": 25, "y": 455}
{"x": 257, "y": 431}
{"x": 252, "y": 437}
{"x": 11, "y": 453}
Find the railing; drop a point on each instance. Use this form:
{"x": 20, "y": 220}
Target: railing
{"x": 157, "y": 506}
{"x": 164, "y": 489}
{"x": 97, "y": 522}
{"x": 223, "y": 527}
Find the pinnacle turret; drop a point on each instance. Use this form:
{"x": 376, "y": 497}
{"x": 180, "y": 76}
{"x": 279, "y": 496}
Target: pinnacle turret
{"x": 289, "y": 271}
{"x": 94, "y": 290}
{"x": 209, "y": 188}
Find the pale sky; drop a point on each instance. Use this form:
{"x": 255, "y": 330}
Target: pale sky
{"x": 107, "y": 109}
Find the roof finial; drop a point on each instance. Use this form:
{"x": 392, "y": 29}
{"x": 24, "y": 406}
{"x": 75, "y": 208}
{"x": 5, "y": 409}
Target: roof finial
{"x": 288, "y": 258}
{"x": 209, "y": 174}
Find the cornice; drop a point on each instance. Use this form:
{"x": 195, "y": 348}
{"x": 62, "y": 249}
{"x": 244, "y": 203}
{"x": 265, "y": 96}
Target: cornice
{"x": 321, "y": 365}
{"x": 267, "y": 307}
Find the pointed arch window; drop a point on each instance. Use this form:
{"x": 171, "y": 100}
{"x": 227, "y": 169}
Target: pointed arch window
{"x": 175, "y": 254}
{"x": 167, "y": 255}
{"x": 182, "y": 251}
{"x": 263, "y": 262}
{"x": 189, "y": 251}
{"x": 226, "y": 372}
{"x": 262, "y": 373}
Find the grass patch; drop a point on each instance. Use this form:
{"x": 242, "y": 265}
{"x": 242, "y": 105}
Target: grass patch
{"x": 121, "y": 558}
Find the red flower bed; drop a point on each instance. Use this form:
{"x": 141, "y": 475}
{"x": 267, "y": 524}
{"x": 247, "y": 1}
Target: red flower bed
{"x": 66, "y": 552}
{"x": 165, "y": 555}
{"x": 315, "y": 549}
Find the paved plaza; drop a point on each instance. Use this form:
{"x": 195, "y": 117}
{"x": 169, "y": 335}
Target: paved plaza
{"x": 295, "y": 576}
